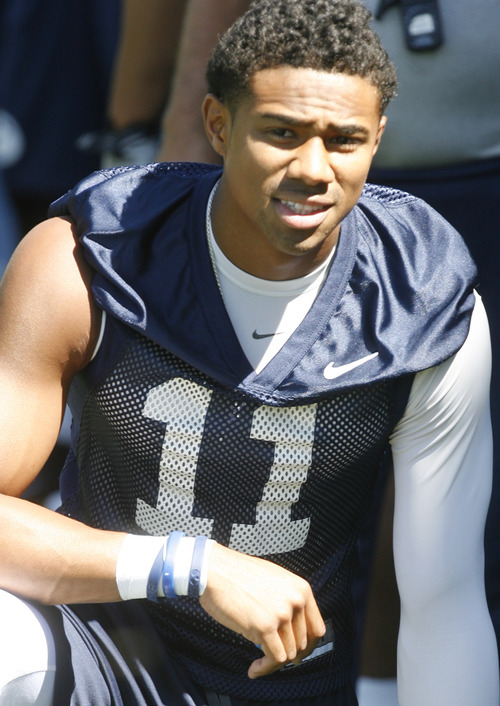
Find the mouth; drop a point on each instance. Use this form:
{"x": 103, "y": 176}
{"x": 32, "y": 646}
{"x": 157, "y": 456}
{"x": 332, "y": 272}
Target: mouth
{"x": 303, "y": 209}
{"x": 300, "y": 215}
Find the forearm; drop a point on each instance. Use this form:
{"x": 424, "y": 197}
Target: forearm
{"x": 442, "y": 458}
{"x": 145, "y": 60}
{"x": 447, "y": 652}
{"x": 183, "y": 132}
{"x": 55, "y": 559}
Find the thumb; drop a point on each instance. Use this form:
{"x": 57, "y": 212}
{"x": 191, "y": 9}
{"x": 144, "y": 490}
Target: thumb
{"x": 262, "y": 666}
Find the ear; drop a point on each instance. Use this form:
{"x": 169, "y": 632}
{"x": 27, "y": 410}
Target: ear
{"x": 380, "y": 132}
{"x": 216, "y": 119}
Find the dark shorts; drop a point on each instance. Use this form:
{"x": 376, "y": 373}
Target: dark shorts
{"x": 110, "y": 655}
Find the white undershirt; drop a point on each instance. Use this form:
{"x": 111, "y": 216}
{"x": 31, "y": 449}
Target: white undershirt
{"x": 264, "y": 313}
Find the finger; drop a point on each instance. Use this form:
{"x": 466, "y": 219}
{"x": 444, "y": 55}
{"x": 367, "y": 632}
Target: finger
{"x": 300, "y": 638}
{"x": 274, "y": 656}
{"x": 289, "y": 640}
{"x": 316, "y": 627}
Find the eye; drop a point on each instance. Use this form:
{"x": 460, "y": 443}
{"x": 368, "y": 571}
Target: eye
{"x": 281, "y": 133}
{"x": 344, "y": 142}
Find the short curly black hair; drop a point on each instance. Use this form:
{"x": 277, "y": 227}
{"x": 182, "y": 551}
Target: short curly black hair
{"x": 325, "y": 35}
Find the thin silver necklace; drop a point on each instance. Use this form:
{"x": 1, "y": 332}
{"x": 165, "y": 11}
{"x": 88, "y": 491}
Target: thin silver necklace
{"x": 209, "y": 231}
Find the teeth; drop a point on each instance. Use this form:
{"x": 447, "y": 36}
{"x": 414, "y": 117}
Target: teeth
{"x": 301, "y": 208}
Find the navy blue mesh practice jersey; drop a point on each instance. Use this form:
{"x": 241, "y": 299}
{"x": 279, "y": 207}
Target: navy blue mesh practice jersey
{"x": 173, "y": 430}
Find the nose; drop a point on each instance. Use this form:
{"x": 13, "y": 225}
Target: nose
{"x": 311, "y": 163}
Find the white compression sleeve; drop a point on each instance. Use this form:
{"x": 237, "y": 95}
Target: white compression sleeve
{"x": 376, "y": 692}
{"x": 442, "y": 452}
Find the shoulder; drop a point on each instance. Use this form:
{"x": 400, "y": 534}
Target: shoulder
{"x": 412, "y": 277}
{"x": 125, "y": 198}
{"x": 455, "y": 392}
{"x": 401, "y": 213}
{"x": 395, "y": 206}
{"x": 418, "y": 253}
{"x": 46, "y": 310}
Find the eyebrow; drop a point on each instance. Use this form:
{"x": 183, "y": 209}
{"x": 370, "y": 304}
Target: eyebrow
{"x": 349, "y": 129}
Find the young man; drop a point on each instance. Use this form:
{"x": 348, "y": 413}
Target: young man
{"x": 240, "y": 348}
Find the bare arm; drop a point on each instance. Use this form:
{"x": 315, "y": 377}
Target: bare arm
{"x": 145, "y": 60}
{"x": 47, "y": 332}
{"x": 183, "y": 132}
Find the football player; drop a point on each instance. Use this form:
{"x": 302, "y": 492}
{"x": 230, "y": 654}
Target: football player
{"x": 241, "y": 348}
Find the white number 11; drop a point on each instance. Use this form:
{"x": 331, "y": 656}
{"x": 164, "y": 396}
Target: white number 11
{"x": 182, "y": 406}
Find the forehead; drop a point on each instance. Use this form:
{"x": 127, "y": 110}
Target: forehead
{"x": 308, "y": 93}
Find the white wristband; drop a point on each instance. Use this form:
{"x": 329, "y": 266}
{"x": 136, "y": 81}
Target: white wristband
{"x": 137, "y": 556}
{"x": 134, "y": 563}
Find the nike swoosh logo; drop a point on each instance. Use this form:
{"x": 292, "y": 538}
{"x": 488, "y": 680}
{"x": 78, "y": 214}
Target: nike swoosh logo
{"x": 258, "y": 336}
{"x": 331, "y": 372}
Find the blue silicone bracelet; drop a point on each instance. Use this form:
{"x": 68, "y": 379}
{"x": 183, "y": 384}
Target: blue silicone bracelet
{"x": 168, "y": 565}
{"x": 155, "y": 576}
{"x": 195, "y": 573}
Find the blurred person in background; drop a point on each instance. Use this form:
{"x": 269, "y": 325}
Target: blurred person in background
{"x": 56, "y": 59}
{"x": 158, "y": 85}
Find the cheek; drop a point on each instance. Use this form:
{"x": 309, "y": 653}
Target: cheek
{"x": 245, "y": 171}
{"x": 263, "y": 161}
{"x": 352, "y": 173}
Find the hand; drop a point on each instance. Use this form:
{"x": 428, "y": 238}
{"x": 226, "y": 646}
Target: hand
{"x": 265, "y": 603}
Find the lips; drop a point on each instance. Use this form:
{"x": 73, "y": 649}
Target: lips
{"x": 301, "y": 215}
{"x": 302, "y": 209}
